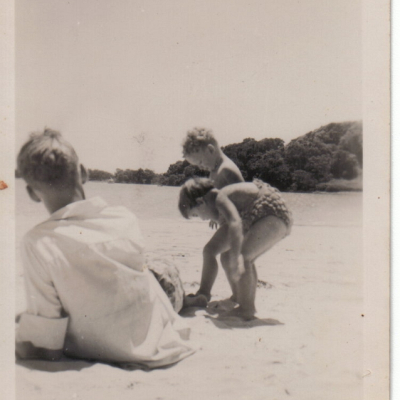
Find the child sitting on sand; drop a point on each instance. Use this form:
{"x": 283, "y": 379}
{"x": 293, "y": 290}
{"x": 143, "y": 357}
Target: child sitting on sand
{"x": 200, "y": 148}
{"x": 89, "y": 294}
{"x": 253, "y": 218}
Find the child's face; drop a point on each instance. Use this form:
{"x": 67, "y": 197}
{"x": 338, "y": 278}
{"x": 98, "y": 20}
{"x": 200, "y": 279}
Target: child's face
{"x": 201, "y": 211}
{"x": 204, "y": 158}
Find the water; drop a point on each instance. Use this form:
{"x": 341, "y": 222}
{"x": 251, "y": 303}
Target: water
{"x": 153, "y": 202}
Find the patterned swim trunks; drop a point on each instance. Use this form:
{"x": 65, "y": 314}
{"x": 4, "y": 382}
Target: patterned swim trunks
{"x": 268, "y": 202}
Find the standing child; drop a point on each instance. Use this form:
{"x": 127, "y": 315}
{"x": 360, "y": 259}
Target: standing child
{"x": 254, "y": 218}
{"x": 200, "y": 148}
{"x": 89, "y": 294}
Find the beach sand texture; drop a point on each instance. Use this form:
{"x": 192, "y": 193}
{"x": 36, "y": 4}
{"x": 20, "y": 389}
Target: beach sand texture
{"x": 306, "y": 343}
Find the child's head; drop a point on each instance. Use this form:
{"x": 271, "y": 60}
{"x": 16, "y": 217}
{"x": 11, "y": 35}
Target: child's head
{"x": 191, "y": 197}
{"x": 48, "y": 163}
{"x": 201, "y": 148}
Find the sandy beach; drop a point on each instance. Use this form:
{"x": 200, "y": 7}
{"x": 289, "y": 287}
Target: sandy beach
{"x": 296, "y": 93}
{"x": 306, "y": 342}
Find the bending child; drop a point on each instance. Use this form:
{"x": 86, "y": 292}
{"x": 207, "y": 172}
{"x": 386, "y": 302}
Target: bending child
{"x": 253, "y": 218}
{"x": 200, "y": 148}
{"x": 89, "y": 294}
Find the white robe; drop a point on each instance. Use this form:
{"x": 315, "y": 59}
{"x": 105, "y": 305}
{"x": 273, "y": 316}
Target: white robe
{"x": 89, "y": 293}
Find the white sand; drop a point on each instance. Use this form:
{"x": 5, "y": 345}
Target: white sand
{"x": 305, "y": 344}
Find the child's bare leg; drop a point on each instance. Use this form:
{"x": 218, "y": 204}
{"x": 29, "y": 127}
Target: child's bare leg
{"x": 217, "y": 244}
{"x": 225, "y": 264}
{"x": 263, "y": 235}
{"x": 246, "y": 292}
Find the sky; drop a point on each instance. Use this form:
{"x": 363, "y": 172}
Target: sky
{"x": 124, "y": 81}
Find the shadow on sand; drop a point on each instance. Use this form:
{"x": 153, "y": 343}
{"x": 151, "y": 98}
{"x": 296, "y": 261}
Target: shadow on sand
{"x": 71, "y": 364}
{"x": 223, "y": 322}
{"x": 216, "y": 310}
{"x": 62, "y": 365}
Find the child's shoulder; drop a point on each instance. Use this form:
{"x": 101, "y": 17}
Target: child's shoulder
{"x": 228, "y": 165}
{"x": 227, "y": 174}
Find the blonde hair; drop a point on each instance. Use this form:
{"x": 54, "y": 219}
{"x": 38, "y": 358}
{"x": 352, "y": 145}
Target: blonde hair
{"x": 197, "y": 139}
{"x": 48, "y": 158}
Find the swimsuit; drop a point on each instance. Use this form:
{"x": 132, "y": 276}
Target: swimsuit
{"x": 268, "y": 202}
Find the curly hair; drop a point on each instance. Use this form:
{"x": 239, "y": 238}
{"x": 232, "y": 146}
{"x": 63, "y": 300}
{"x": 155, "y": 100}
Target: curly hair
{"x": 196, "y": 139}
{"x": 191, "y": 190}
{"x": 47, "y": 158}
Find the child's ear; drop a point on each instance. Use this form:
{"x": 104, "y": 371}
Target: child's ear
{"x": 211, "y": 148}
{"x": 84, "y": 174}
{"x": 32, "y": 194}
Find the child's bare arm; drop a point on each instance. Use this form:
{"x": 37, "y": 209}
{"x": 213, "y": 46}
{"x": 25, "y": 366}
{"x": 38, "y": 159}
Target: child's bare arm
{"x": 217, "y": 245}
{"x": 233, "y": 222}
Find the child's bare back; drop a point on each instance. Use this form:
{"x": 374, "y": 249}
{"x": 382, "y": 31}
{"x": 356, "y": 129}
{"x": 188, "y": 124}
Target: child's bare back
{"x": 227, "y": 173}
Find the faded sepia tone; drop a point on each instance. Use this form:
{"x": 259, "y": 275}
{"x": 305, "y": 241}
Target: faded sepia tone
{"x": 125, "y": 94}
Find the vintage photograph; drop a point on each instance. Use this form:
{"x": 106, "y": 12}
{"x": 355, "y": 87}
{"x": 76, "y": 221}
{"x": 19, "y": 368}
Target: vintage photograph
{"x": 190, "y": 200}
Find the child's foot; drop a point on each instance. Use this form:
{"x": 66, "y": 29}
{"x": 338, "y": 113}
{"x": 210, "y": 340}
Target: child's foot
{"x": 195, "y": 300}
{"x": 206, "y": 295}
{"x": 233, "y": 298}
{"x": 242, "y": 313}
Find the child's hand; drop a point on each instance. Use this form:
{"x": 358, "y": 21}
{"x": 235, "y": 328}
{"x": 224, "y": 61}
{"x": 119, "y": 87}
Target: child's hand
{"x": 213, "y": 224}
{"x": 237, "y": 265}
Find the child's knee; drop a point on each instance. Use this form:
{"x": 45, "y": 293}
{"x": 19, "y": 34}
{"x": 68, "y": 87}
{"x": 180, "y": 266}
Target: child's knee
{"x": 210, "y": 250}
{"x": 225, "y": 259}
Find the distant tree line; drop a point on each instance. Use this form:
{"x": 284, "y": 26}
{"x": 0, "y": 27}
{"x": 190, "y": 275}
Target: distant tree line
{"x": 98, "y": 175}
{"x": 177, "y": 174}
{"x": 329, "y": 158}
{"x": 332, "y": 153}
